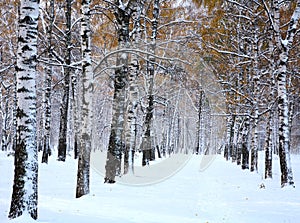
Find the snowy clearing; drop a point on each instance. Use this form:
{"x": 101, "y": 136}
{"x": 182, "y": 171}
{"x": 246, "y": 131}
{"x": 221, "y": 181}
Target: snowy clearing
{"x": 219, "y": 192}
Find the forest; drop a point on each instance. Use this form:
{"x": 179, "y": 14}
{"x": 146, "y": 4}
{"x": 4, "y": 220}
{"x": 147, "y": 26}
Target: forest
{"x": 151, "y": 77}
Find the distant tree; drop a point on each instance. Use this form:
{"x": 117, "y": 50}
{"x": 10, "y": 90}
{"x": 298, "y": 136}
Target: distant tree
{"x": 6, "y": 114}
{"x": 48, "y": 88}
{"x": 8, "y": 48}
{"x": 25, "y": 193}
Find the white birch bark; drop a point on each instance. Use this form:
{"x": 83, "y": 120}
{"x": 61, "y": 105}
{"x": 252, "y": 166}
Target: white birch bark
{"x": 269, "y": 143}
{"x": 83, "y": 174}
{"x": 6, "y": 116}
{"x": 244, "y": 143}
{"x": 25, "y": 194}
{"x": 284, "y": 46}
{"x": 130, "y": 134}
{"x": 47, "y": 90}
{"x": 256, "y": 97}
{"x": 229, "y": 130}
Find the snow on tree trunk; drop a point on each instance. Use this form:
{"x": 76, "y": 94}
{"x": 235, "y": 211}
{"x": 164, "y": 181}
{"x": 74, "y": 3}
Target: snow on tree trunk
{"x": 25, "y": 193}
{"x": 229, "y": 136}
{"x": 83, "y": 174}
{"x": 116, "y": 139}
{"x": 47, "y": 91}
{"x": 5, "y": 90}
{"x": 268, "y": 148}
{"x": 199, "y": 148}
{"x": 14, "y": 116}
{"x": 64, "y": 107}
{"x": 256, "y": 95}
{"x": 131, "y": 121}
{"x": 284, "y": 46}
{"x": 130, "y": 135}
{"x": 244, "y": 143}
{"x": 254, "y": 141}
{"x": 269, "y": 142}
{"x": 284, "y": 134}
{"x": 235, "y": 139}
{"x": 147, "y": 140}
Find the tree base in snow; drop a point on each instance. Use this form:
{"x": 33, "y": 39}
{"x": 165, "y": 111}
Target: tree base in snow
{"x": 108, "y": 181}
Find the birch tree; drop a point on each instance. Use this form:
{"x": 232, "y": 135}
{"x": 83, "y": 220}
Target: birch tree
{"x": 147, "y": 142}
{"x": 48, "y": 88}
{"x": 65, "y": 103}
{"x": 25, "y": 193}
{"x": 269, "y": 139}
{"x": 284, "y": 41}
{"x": 132, "y": 103}
{"x": 83, "y": 175}
{"x": 122, "y": 13}
{"x": 8, "y": 48}
{"x": 6, "y": 115}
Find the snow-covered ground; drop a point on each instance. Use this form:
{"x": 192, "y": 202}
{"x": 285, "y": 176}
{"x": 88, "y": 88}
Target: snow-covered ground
{"x": 200, "y": 192}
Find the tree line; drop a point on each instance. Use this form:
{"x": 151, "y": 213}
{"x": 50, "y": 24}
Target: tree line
{"x": 254, "y": 52}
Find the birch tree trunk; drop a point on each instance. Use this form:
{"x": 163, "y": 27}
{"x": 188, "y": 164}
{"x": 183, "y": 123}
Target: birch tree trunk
{"x": 5, "y": 91}
{"x": 284, "y": 46}
{"x": 236, "y": 126}
{"x": 6, "y": 116}
{"x": 116, "y": 139}
{"x": 83, "y": 174}
{"x": 64, "y": 107}
{"x": 199, "y": 148}
{"x": 147, "y": 141}
{"x": 47, "y": 91}
{"x": 254, "y": 141}
{"x": 229, "y": 136}
{"x": 268, "y": 146}
{"x": 256, "y": 97}
{"x": 130, "y": 135}
{"x": 244, "y": 143}
{"x": 25, "y": 193}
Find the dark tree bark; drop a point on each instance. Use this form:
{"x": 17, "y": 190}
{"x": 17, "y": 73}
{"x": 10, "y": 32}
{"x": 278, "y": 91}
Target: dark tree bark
{"x": 64, "y": 107}
{"x": 116, "y": 138}
{"x": 244, "y": 143}
{"x": 147, "y": 142}
{"x": 199, "y": 124}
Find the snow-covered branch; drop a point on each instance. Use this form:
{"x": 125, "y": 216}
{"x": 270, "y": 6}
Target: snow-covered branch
{"x": 137, "y": 51}
{"x": 175, "y": 22}
{"x": 6, "y": 68}
{"x": 75, "y": 65}
{"x": 230, "y": 53}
